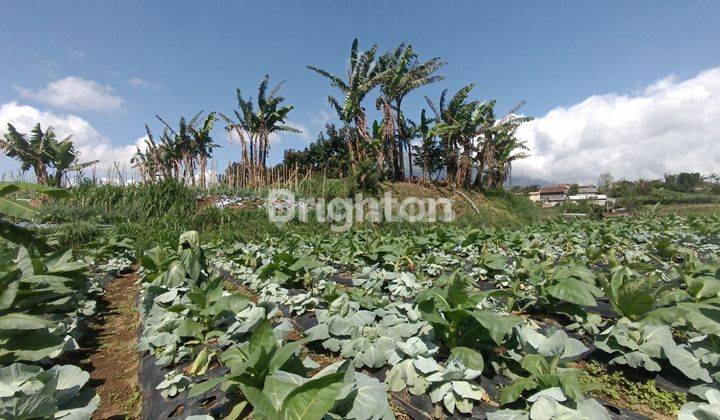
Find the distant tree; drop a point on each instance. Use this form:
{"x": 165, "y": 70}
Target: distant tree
{"x": 328, "y": 153}
{"x": 605, "y": 182}
{"x": 643, "y": 186}
{"x": 457, "y": 125}
{"x": 500, "y": 149}
{"x": 624, "y": 188}
{"x": 684, "y": 181}
{"x": 573, "y": 190}
{"x": 49, "y": 158}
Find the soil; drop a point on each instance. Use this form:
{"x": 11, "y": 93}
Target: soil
{"x": 114, "y": 363}
{"x": 324, "y": 360}
{"x": 241, "y": 290}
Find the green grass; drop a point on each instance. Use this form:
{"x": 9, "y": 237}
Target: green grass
{"x": 160, "y": 212}
{"x": 614, "y": 385}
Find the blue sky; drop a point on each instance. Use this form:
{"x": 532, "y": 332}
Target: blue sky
{"x": 178, "y": 57}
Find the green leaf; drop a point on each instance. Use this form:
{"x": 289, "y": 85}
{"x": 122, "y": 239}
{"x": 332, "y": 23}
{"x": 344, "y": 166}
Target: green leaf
{"x": 284, "y": 353}
{"x": 472, "y": 359}
{"x": 457, "y": 293}
{"x": 313, "y": 399}
{"x": 498, "y": 326}
{"x": 261, "y": 403}
{"x": 16, "y": 321}
{"x": 279, "y": 385}
{"x": 8, "y": 288}
{"x": 200, "y": 365}
{"x": 13, "y": 208}
{"x": 514, "y": 391}
{"x": 573, "y": 291}
{"x": 262, "y": 338}
{"x": 10, "y": 187}
{"x": 687, "y": 363}
{"x": 203, "y": 387}
{"x": 189, "y": 328}
{"x": 368, "y": 400}
{"x": 236, "y": 411}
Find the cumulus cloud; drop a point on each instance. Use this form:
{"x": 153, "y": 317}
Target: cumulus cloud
{"x": 91, "y": 144}
{"x": 670, "y": 126}
{"x": 74, "y": 93}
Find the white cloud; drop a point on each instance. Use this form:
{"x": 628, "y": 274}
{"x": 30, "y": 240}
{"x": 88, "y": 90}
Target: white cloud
{"x": 74, "y": 93}
{"x": 278, "y": 137}
{"x": 138, "y": 82}
{"x": 91, "y": 144}
{"x": 668, "y": 127}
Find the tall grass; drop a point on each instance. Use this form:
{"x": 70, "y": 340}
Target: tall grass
{"x": 138, "y": 201}
{"x": 158, "y": 213}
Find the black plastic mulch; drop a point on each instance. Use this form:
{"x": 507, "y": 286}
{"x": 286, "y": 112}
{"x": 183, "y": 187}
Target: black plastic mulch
{"x": 154, "y": 406}
{"x": 421, "y": 406}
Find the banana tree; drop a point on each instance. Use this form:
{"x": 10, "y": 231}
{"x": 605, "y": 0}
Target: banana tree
{"x": 254, "y": 127}
{"x": 405, "y": 73}
{"x": 42, "y": 152}
{"x": 499, "y": 147}
{"x": 203, "y": 144}
{"x": 364, "y": 74}
{"x": 458, "y": 126}
{"x": 428, "y": 155}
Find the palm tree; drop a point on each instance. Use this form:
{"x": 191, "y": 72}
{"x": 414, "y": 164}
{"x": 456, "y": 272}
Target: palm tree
{"x": 405, "y": 73}
{"x": 364, "y": 75}
{"x": 272, "y": 115}
{"x": 43, "y": 152}
{"x": 246, "y": 127}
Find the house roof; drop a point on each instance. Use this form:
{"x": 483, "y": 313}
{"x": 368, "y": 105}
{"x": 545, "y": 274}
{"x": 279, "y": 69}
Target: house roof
{"x": 555, "y": 189}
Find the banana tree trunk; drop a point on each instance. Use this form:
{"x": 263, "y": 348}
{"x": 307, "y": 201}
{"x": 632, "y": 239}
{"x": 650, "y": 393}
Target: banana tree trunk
{"x": 203, "y": 168}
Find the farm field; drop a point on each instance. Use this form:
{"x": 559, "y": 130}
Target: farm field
{"x": 583, "y": 318}
{"x": 288, "y": 211}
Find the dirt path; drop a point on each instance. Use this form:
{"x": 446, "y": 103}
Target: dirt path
{"x": 114, "y": 363}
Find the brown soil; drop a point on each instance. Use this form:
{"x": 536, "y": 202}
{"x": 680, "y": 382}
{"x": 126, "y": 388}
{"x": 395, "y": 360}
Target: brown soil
{"x": 293, "y": 335}
{"x": 115, "y": 361}
{"x": 638, "y": 408}
{"x": 241, "y": 290}
{"x": 324, "y": 360}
